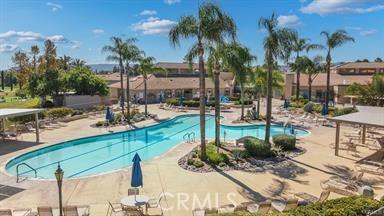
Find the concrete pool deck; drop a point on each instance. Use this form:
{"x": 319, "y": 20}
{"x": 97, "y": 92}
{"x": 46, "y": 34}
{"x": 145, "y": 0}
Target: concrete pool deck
{"x": 302, "y": 174}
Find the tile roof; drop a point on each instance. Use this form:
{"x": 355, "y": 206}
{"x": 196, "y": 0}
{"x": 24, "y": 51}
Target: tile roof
{"x": 365, "y": 65}
{"x": 336, "y": 79}
{"x": 173, "y": 65}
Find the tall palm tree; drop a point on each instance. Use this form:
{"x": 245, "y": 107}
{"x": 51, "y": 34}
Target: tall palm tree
{"x": 65, "y": 61}
{"x": 130, "y": 54}
{"x": 78, "y": 63}
{"x": 146, "y": 65}
{"x": 49, "y": 55}
{"x": 299, "y": 45}
{"x": 210, "y": 26}
{"x": 35, "y": 51}
{"x": 274, "y": 45}
{"x": 333, "y": 40}
{"x": 115, "y": 51}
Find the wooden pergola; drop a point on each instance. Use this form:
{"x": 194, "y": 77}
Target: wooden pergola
{"x": 7, "y": 113}
{"x": 367, "y": 116}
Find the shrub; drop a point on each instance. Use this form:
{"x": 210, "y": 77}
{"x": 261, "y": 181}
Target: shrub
{"x": 198, "y": 164}
{"x": 351, "y": 206}
{"x": 284, "y": 141}
{"x": 344, "y": 111}
{"x": 214, "y": 158}
{"x": 309, "y": 107}
{"x": 59, "y": 112}
{"x": 190, "y": 161}
{"x": 239, "y": 154}
{"x": 246, "y": 102}
{"x": 257, "y": 148}
{"x": 233, "y": 98}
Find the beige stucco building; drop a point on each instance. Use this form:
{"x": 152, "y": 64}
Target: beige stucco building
{"x": 341, "y": 77}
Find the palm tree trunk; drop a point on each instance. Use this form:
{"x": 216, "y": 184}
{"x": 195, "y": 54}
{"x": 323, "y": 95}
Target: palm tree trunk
{"x": 128, "y": 97}
{"x": 269, "y": 100}
{"x": 309, "y": 87}
{"x": 242, "y": 101}
{"x": 258, "y": 105}
{"x": 328, "y": 79}
{"x": 217, "y": 108}
{"x": 145, "y": 94}
{"x": 297, "y": 81}
{"x": 202, "y": 101}
{"x": 121, "y": 86}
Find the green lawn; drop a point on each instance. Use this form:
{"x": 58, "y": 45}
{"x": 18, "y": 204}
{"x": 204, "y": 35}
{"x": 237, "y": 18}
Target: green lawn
{"x": 29, "y": 103}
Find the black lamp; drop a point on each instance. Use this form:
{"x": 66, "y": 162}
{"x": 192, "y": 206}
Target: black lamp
{"x": 59, "y": 174}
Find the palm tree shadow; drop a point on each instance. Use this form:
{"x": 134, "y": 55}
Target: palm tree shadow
{"x": 277, "y": 188}
{"x": 289, "y": 170}
{"x": 244, "y": 190}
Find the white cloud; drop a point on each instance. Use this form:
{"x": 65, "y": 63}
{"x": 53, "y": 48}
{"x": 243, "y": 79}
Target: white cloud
{"x": 21, "y": 36}
{"x": 325, "y": 7}
{"x": 171, "y": 2}
{"x": 75, "y": 45}
{"x": 148, "y": 12}
{"x": 368, "y": 32}
{"x": 8, "y": 48}
{"x": 98, "y": 31}
{"x": 154, "y": 26}
{"x": 288, "y": 21}
{"x": 54, "y": 7}
{"x": 362, "y": 31}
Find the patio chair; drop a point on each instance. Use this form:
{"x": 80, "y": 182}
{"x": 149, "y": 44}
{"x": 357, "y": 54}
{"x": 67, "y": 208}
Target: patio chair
{"x": 230, "y": 208}
{"x": 76, "y": 210}
{"x": 339, "y": 187}
{"x": 308, "y": 198}
{"x": 210, "y": 211}
{"x": 372, "y": 167}
{"x": 44, "y": 211}
{"x": 132, "y": 211}
{"x": 133, "y": 191}
{"x": 5, "y": 212}
{"x": 284, "y": 206}
{"x": 262, "y": 208}
{"x": 114, "y": 209}
{"x": 155, "y": 203}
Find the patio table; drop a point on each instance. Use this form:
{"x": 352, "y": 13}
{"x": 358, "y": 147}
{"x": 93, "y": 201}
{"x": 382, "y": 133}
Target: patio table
{"x": 134, "y": 201}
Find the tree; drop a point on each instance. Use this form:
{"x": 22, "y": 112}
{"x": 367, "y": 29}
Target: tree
{"x": 371, "y": 93}
{"x": 35, "y": 51}
{"x": 311, "y": 67}
{"x": 49, "y": 56}
{"x": 21, "y": 60}
{"x": 210, "y": 26}
{"x": 77, "y": 63}
{"x": 64, "y": 62}
{"x": 274, "y": 47}
{"x": 298, "y": 45}
{"x": 115, "y": 51}
{"x": 146, "y": 65}
{"x": 333, "y": 40}
{"x": 378, "y": 59}
{"x": 130, "y": 54}
{"x": 83, "y": 81}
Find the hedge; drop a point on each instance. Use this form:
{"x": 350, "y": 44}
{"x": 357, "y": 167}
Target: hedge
{"x": 284, "y": 141}
{"x": 246, "y": 102}
{"x": 188, "y": 103}
{"x": 214, "y": 158}
{"x": 257, "y": 148}
{"x": 59, "y": 112}
{"x": 348, "y": 206}
{"x": 344, "y": 111}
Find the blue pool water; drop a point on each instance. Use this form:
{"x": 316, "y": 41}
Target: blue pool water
{"x": 99, "y": 154}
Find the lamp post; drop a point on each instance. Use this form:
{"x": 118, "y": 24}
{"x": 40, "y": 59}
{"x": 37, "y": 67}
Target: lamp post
{"x": 59, "y": 174}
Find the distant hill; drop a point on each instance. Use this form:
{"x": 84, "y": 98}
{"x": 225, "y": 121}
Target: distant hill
{"x": 102, "y": 67}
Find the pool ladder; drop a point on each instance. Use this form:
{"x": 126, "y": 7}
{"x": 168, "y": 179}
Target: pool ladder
{"x": 17, "y": 170}
{"x": 189, "y": 137}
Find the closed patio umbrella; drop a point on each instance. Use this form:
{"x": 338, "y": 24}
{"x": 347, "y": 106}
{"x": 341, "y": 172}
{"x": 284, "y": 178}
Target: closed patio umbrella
{"x": 286, "y": 105}
{"x": 181, "y": 101}
{"x": 324, "y": 110}
{"x": 137, "y": 175}
{"x": 108, "y": 115}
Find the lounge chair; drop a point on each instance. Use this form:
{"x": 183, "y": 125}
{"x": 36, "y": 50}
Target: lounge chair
{"x": 284, "y": 206}
{"x": 339, "y": 187}
{"x": 371, "y": 167}
{"x": 210, "y": 211}
{"x": 5, "y": 212}
{"x": 76, "y": 210}
{"x": 262, "y": 208}
{"x": 308, "y": 198}
{"x": 133, "y": 191}
{"x": 226, "y": 209}
{"x": 44, "y": 211}
{"x": 114, "y": 209}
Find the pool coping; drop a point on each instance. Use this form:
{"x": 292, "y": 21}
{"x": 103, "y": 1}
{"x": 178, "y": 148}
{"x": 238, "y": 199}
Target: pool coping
{"x": 4, "y": 165}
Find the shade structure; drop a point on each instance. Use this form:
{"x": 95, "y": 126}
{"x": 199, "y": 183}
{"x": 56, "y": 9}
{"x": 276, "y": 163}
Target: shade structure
{"x": 137, "y": 175}
{"x": 108, "y": 114}
{"x": 324, "y": 110}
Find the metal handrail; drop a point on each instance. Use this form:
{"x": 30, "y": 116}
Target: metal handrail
{"x": 194, "y": 136}
{"x": 189, "y": 137}
{"x": 17, "y": 170}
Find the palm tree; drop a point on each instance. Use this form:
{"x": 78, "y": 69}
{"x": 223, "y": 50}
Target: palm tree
{"x": 78, "y": 63}
{"x": 115, "y": 51}
{"x": 274, "y": 45}
{"x": 298, "y": 45}
{"x": 238, "y": 60}
{"x": 49, "y": 55}
{"x": 130, "y": 54}
{"x": 146, "y": 65}
{"x": 35, "y": 51}
{"x": 65, "y": 61}
{"x": 333, "y": 40}
{"x": 210, "y": 26}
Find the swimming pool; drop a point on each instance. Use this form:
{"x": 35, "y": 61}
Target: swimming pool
{"x": 104, "y": 153}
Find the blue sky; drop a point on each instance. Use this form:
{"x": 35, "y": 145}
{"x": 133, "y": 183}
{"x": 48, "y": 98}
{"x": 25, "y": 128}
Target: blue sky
{"x": 81, "y": 28}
